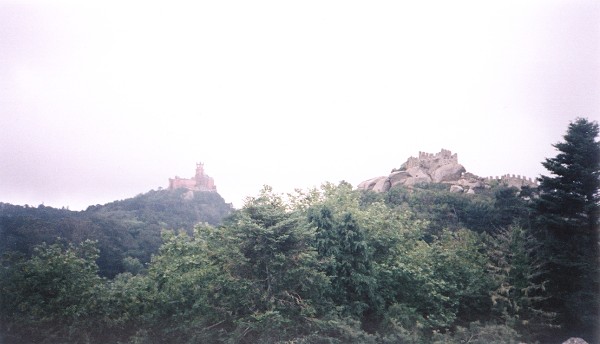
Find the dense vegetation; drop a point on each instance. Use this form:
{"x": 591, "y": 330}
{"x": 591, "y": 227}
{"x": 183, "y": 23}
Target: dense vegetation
{"x": 336, "y": 265}
{"x": 127, "y": 232}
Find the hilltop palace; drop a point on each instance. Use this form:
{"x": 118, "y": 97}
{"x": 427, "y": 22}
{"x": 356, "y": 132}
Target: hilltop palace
{"x": 199, "y": 182}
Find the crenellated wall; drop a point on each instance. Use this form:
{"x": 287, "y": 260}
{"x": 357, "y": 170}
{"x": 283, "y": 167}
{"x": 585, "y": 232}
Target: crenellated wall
{"x": 441, "y": 167}
{"x": 444, "y": 157}
{"x": 517, "y": 180}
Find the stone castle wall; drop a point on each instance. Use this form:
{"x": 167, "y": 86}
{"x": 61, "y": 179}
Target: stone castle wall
{"x": 514, "y": 180}
{"x": 178, "y": 183}
{"x": 442, "y": 167}
{"x": 444, "y": 157}
{"x": 200, "y": 182}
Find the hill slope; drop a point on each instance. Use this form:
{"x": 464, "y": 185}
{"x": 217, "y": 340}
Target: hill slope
{"x": 127, "y": 231}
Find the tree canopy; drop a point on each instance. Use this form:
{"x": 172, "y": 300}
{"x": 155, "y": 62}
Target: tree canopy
{"x": 324, "y": 265}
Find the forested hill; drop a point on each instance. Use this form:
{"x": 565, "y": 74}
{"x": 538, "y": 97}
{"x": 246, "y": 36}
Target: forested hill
{"x": 417, "y": 264}
{"x": 127, "y": 231}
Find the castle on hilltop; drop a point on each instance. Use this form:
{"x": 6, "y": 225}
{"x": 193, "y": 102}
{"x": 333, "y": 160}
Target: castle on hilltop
{"x": 442, "y": 167}
{"x": 444, "y": 157}
{"x": 199, "y": 182}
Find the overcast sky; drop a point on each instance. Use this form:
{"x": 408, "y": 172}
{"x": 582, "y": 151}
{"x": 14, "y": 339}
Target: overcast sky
{"x": 103, "y": 102}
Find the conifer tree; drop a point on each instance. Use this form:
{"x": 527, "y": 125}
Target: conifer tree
{"x": 567, "y": 223}
{"x": 519, "y": 294}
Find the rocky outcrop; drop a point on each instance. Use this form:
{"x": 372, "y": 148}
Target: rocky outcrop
{"x": 398, "y": 178}
{"x": 418, "y": 175}
{"x": 456, "y": 189}
{"x": 427, "y": 168}
{"x": 370, "y": 184}
{"x": 442, "y": 167}
{"x": 447, "y": 173}
{"x": 469, "y": 182}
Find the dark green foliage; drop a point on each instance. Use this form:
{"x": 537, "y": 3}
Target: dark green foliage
{"x": 485, "y": 212}
{"x": 277, "y": 258}
{"x": 189, "y": 299}
{"x": 52, "y": 292}
{"x": 255, "y": 279}
{"x": 569, "y": 200}
{"x": 342, "y": 246}
{"x": 511, "y": 206}
{"x": 567, "y": 225}
{"x": 440, "y": 282}
{"x": 174, "y": 209}
{"x": 123, "y": 229}
{"x": 328, "y": 265}
{"x": 519, "y": 293}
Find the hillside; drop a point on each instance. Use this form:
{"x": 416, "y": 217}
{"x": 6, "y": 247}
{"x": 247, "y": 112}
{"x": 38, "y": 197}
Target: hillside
{"x": 428, "y": 255}
{"x": 127, "y": 228}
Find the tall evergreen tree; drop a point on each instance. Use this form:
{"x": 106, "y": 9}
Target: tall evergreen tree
{"x": 519, "y": 294}
{"x": 567, "y": 223}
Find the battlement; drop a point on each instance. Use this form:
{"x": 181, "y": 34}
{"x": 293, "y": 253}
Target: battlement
{"x": 443, "y": 154}
{"x": 442, "y": 167}
{"x": 514, "y": 180}
{"x": 444, "y": 157}
{"x": 200, "y": 182}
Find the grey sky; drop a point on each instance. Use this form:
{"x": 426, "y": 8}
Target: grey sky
{"x": 102, "y": 102}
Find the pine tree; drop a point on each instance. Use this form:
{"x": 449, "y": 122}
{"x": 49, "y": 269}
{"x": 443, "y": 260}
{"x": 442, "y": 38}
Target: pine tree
{"x": 519, "y": 294}
{"x": 567, "y": 224}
